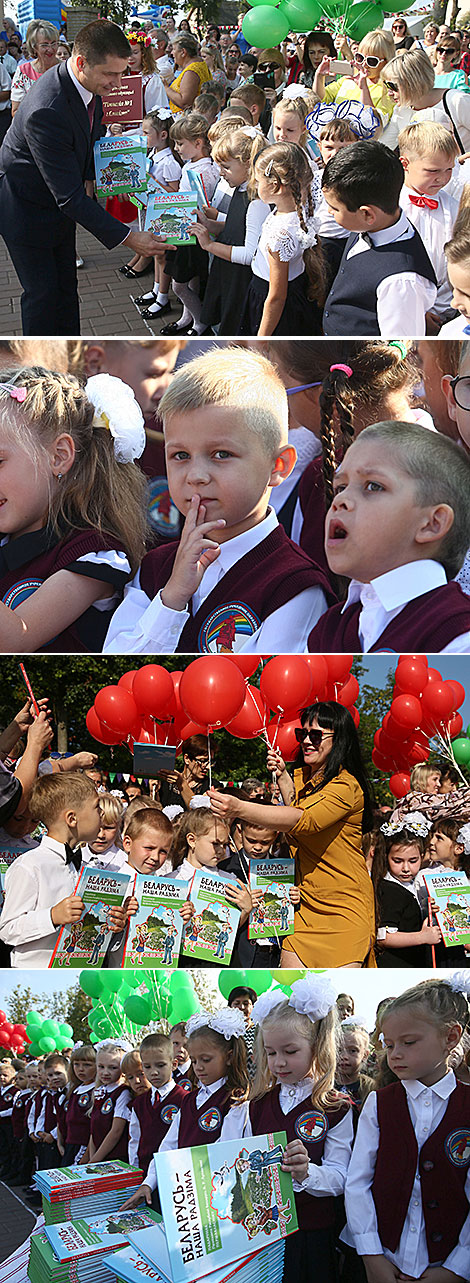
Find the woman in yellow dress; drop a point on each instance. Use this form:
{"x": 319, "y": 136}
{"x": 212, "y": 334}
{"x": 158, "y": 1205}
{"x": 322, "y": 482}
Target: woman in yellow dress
{"x": 192, "y": 73}
{"x": 327, "y": 806}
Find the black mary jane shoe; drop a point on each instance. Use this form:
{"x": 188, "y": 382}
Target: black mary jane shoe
{"x": 144, "y": 300}
{"x": 174, "y": 328}
{"x": 150, "y": 315}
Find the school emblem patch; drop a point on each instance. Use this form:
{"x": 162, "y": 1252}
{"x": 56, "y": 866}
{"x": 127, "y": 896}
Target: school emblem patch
{"x": 84, "y": 1101}
{"x": 107, "y": 1106}
{"x": 210, "y": 1120}
{"x": 185, "y": 1083}
{"x": 163, "y": 515}
{"x": 168, "y": 1113}
{"x": 226, "y": 628}
{"x": 19, "y": 592}
{"x": 457, "y": 1147}
{"x": 312, "y": 1125}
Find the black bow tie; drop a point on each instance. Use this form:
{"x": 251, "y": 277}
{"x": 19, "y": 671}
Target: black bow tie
{"x": 73, "y": 856}
{"x": 368, "y": 239}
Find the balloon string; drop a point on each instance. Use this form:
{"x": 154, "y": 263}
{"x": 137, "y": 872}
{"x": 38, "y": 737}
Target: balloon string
{"x": 210, "y": 755}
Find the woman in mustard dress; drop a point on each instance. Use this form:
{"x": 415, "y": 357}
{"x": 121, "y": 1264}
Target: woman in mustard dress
{"x": 193, "y": 72}
{"x": 326, "y": 809}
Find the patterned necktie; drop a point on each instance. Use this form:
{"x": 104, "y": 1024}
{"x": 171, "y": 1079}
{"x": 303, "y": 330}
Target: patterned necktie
{"x": 423, "y": 202}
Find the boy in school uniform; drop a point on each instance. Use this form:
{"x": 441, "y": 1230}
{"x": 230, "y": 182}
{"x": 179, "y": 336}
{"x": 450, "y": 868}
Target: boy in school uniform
{"x": 154, "y": 1110}
{"x": 399, "y": 529}
{"x": 8, "y": 1092}
{"x": 234, "y": 581}
{"x": 40, "y": 885}
{"x": 48, "y": 1152}
{"x": 427, "y": 153}
{"x": 181, "y": 1059}
{"x": 386, "y": 282}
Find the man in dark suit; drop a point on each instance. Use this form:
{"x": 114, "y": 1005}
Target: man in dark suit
{"x": 45, "y": 161}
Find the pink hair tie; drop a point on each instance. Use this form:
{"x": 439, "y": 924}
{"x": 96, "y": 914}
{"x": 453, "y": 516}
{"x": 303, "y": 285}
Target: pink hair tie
{"x": 345, "y": 368}
{"x": 18, "y": 394}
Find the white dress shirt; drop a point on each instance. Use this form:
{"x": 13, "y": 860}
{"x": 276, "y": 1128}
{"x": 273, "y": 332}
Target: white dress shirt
{"x": 402, "y": 299}
{"x": 427, "y": 1106}
{"x": 256, "y": 214}
{"x": 122, "y": 1108}
{"x": 134, "y": 1125}
{"x": 384, "y": 598}
{"x": 459, "y": 328}
{"x": 34, "y": 883}
{"x": 324, "y": 1178}
{"x": 435, "y": 227}
{"x": 170, "y": 1141}
{"x": 145, "y": 627}
{"x": 113, "y": 860}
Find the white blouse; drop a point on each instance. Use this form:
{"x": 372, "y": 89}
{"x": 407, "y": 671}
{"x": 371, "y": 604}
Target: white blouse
{"x": 283, "y": 235}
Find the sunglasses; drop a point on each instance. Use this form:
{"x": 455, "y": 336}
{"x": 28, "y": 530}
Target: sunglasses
{"x": 316, "y": 737}
{"x": 400, "y": 27}
{"x": 390, "y": 84}
{"x": 370, "y": 60}
{"x": 268, "y": 66}
{"x": 443, "y": 49}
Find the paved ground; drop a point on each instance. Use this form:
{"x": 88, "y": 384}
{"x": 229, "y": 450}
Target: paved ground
{"x": 16, "y": 1220}
{"x": 106, "y": 297}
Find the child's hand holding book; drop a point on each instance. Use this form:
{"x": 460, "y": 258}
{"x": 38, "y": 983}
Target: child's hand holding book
{"x": 68, "y": 910}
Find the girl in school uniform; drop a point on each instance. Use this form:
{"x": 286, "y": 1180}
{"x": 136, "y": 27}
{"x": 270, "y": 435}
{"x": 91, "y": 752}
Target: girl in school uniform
{"x": 76, "y": 1129}
{"x": 110, "y": 1114}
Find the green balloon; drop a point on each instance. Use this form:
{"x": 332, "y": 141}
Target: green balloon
{"x": 91, "y": 983}
{"x": 184, "y": 1006}
{"x": 333, "y": 9}
{"x": 264, "y": 27}
{"x": 94, "y": 1038}
{"x": 231, "y": 979}
{"x": 461, "y": 751}
{"x": 260, "y": 981}
{"x": 284, "y": 977}
{"x": 47, "y": 1044}
{"x": 34, "y": 1049}
{"x": 135, "y": 978}
{"x": 179, "y": 980}
{"x": 51, "y": 1029}
{"x": 62, "y": 1041}
{"x": 138, "y": 1008}
{"x": 111, "y": 981}
{"x": 256, "y": 3}
{"x": 362, "y": 18}
{"x": 66, "y": 1030}
{"x": 33, "y": 1018}
{"x": 302, "y": 15}
{"x": 94, "y": 1016}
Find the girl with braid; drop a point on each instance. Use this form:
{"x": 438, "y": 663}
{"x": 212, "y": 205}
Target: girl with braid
{"x": 287, "y": 289}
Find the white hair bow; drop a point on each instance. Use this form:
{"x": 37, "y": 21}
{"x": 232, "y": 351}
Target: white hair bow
{"x": 117, "y": 410}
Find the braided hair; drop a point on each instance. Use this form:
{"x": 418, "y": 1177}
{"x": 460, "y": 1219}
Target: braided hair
{"x": 289, "y": 166}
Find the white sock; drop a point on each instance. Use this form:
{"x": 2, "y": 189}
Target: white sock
{"x": 162, "y": 298}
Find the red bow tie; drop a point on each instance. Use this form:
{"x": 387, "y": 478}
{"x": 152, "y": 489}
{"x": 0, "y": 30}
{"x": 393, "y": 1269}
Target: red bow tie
{"x": 423, "y": 202}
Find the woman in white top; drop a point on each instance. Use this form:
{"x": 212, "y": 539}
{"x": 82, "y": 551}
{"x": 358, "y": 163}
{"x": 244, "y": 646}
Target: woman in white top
{"x": 409, "y": 80}
{"x": 42, "y": 39}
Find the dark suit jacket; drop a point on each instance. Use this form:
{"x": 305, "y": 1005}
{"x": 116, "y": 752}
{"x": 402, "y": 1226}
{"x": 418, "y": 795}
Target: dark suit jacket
{"x": 45, "y": 158}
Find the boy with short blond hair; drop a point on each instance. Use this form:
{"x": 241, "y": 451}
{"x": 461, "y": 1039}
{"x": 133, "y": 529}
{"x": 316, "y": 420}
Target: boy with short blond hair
{"x": 234, "y": 581}
{"x": 154, "y": 1110}
{"x": 253, "y": 97}
{"x": 427, "y": 153}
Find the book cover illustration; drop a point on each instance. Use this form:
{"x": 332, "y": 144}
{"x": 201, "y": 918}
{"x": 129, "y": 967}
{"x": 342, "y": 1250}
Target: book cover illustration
{"x": 155, "y": 931}
{"x": 10, "y": 848}
{"x": 85, "y": 942}
{"x": 74, "y": 1239}
{"x": 451, "y": 893}
{"x": 172, "y": 214}
{"x": 211, "y": 932}
{"x": 219, "y": 1203}
{"x": 197, "y": 185}
{"x": 274, "y": 914}
{"x": 120, "y": 167}
{"x": 87, "y": 1178}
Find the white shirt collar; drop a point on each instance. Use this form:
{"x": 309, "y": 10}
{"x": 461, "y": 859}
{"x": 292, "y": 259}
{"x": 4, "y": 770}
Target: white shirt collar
{"x": 183, "y": 1069}
{"x": 397, "y": 587}
{"x": 232, "y": 551}
{"x": 57, "y": 847}
{"x": 290, "y": 1094}
{"x": 85, "y": 94}
{"x": 163, "y": 1091}
{"x": 387, "y": 235}
{"x": 204, "y": 1092}
{"x": 443, "y": 1088}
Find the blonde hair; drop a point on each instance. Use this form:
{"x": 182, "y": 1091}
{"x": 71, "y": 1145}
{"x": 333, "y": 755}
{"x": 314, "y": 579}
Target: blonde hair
{"x": 190, "y": 127}
{"x": 138, "y": 804}
{"x": 147, "y": 818}
{"x": 293, "y": 107}
{"x": 458, "y": 249}
{"x": 97, "y": 492}
{"x": 236, "y": 144}
{"x": 32, "y": 32}
{"x": 413, "y": 73}
{"x": 436, "y": 1001}
{"x": 289, "y": 166}
{"x": 131, "y": 1063}
{"x": 51, "y": 795}
{"x": 85, "y": 1052}
{"x": 379, "y": 43}
{"x": 198, "y": 822}
{"x": 237, "y": 379}
{"x": 77, "y": 349}
{"x": 211, "y": 47}
{"x": 322, "y": 1037}
{"x": 419, "y": 778}
{"x": 424, "y": 137}
{"x": 227, "y": 124}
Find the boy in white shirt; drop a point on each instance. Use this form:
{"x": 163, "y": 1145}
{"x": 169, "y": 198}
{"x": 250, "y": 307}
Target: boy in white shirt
{"x": 427, "y": 153}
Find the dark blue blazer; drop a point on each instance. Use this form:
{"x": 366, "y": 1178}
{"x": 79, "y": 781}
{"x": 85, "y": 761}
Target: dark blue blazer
{"x": 46, "y": 155}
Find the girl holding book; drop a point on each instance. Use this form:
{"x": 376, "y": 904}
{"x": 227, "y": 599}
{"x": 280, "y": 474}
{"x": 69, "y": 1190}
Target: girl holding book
{"x": 188, "y": 264}
{"x": 82, "y": 1075}
{"x": 165, "y": 169}
{"x": 110, "y": 1113}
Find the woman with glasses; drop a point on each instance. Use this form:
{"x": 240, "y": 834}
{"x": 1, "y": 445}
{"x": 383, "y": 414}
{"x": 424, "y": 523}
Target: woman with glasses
{"x": 272, "y": 62}
{"x": 409, "y": 81}
{"x": 327, "y": 807}
{"x": 42, "y": 39}
{"x": 447, "y": 71}
{"x": 402, "y": 38}
{"x": 364, "y": 83}
{"x": 177, "y": 788}
{"x": 317, "y": 45}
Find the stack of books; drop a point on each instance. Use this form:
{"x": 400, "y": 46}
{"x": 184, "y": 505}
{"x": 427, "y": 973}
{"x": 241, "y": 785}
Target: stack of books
{"x": 76, "y": 1193}
{"x": 44, "y": 1267}
{"x": 128, "y": 1266}
{"x": 78, "y": 1240}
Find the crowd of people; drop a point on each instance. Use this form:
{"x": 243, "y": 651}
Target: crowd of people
{"x": 359, "y": 899}
{"x": 333, "y": 177}
{"x": 159, "y": 495}
{"x": 352, "y": 1105}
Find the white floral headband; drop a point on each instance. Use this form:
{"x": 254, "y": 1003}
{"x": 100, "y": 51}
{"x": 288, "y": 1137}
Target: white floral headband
{"x": 354, "y": 1022}
{"x": 162, "y": 113}
{"x": 229, "y": 1023}
{"x": 314, "y": 997}
{"x": 114, "y": 1044}
{"x": 463, "y": 836}
{"x": 250, "y": 131}
{"x": 459, "y": 982}
{"x": 414, "y": 822}
{"x": 117, "y": 410}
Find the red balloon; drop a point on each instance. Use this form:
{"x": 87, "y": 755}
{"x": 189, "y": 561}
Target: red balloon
{"x": 4, "y": 1039}
{"x": 247, "y": 664}
{"x": 99, "y": 732}
{"x": 349, "y": 692}
{"x": 20, "y": 1029}
{"x": 437, "y": 702}
{"x": 406, "y": 710}
{"x": 283, "y": 738}
{"x": 212, "y": 690}
{"x": 356, "y": 716}
{"x": 191, "y": 728}
{"x": 458, "y": 691}
{"x": 411, "y": 675}
{"x": 455, "y": 725}
{"x": 286, "y": 683}
{"x": 7, "y": 1028}
{"x": 338, "y": 667}
{"x": 174, "y": 707}
{"x": 116, "y": 708}
{"x": 153, "y": 690}
{"x": 380, "y": 761}
{"x": 3, "y": 1016}
{"x": 392, "y": 728}
{"x": 417, "y": 753}
{"x": 252, "y": 718}
{"x": 16, "y": 1042}
{"x": 434, "y": 675}
{"x": 400, "y": 784}
{"x": 319, "y": 674}
{"x": 127, "y": 679}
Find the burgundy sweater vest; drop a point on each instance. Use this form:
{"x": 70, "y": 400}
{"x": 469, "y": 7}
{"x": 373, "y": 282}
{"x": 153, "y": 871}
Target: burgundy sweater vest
{"x": 50, "y": 1114}
{"x": 18, "y": 1118}
{"x": 77, "y": 1118}
{"x": 203, "y": 1126}
{"x": 442, "y": 1166}
{"x": 268, "y": 577}
{"x": 182, "y": 1080}
{"x": 38, "y": 1099}
{"x": 429, "y": 623}
{"x": 154, "y": 1121}
{"x": 101, "y": 1121}
{"x": 19, "y": 581}
{"x": 301, "y": 1123}
{"x": 7, "y": 1099}
{"x": 60, "y": 1111}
